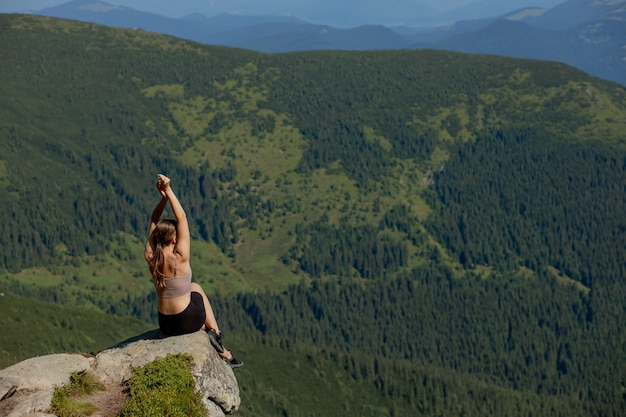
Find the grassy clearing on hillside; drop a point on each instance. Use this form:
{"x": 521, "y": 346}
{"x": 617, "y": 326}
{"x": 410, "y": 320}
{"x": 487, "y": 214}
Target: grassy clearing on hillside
{"x": 104, "y": 280}
{"x": 111, "y": 275}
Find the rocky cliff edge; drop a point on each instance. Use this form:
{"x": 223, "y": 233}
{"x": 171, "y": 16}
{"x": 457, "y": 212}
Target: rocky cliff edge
{"x": 26, "y": 388}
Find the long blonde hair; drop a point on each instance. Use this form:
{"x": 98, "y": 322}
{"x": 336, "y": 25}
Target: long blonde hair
{"x": 162, "y": 235}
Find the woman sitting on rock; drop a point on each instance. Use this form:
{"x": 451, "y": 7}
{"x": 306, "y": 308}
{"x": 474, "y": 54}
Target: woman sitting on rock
{"x": 183, "y": 305}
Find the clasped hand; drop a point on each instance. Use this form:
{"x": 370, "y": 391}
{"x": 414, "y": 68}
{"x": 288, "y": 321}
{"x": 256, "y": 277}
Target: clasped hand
{"x": 162, "y": 184}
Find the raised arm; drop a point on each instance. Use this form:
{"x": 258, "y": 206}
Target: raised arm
{"x": 183, "y": 238}
{"x": 156, "y": 215}
{"x": 154, "y": 219}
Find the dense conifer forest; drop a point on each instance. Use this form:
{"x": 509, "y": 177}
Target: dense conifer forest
{"x": 435, "y": 233}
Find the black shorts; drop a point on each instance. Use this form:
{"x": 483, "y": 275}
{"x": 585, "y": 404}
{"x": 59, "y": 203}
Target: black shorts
{"x": 189, "y": 320}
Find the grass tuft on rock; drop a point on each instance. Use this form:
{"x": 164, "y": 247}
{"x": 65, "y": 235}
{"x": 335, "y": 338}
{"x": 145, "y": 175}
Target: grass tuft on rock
{"x": 64, "y": 402}
{"x": 164, "y": 387}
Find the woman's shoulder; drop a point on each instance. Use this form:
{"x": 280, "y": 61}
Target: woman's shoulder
{"x": 181, "y": 256}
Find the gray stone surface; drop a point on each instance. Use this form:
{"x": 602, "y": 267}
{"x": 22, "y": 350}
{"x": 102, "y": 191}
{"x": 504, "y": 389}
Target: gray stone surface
{"x": 26, "y": 388}
{"x": 35, "y": 403}
{"x": 44, "y": 371}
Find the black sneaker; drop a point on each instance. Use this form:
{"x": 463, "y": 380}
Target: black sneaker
{"x": 234, "y": 362}
{"x": 216, "y": 340}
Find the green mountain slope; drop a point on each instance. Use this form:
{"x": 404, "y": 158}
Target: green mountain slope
{"x": 272, "y": 384}
{"x": 30, "y": 328}
{"x": 443, "y": 212}
{"x": 261, "y": 143}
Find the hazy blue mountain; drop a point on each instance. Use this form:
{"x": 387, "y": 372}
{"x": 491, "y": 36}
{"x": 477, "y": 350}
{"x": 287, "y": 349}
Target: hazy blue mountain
{"x": 345, "y": 13}
{"x": 587, "y": 34}
{"x": 493, "y": 8}
{"x": 118, "y": 16}
{"x": 348, "y": 13}
{"x": 435, "y": 34}
{"x": 600, "y": 49}
{"x": 594, "y": 44}
{"x": 108, "y": 14}
{"x": 276, "y": 38}
{"x": 231, "y": 22}
{"x": 194, "y": 27}
{"x": 512, "y": 38}
{"x": 260, "y": 33}
{"x": 351, "y": 13}
{"x": 288, "y": 37}
{"x": 576, "y": 12}
{"x": 369, "y": 37}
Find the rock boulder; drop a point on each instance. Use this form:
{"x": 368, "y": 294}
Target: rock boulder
{"x": 26, "y": 388}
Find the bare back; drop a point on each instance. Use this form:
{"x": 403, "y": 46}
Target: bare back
{"x": 174, "y": 265}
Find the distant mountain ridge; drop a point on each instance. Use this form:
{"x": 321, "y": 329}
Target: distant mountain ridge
{"x": 289, "y": 37}
{"x": 587, "y": 34}
{"x": 346, "y": 13}
{"x": 573, "y": 13}
{"x": 261, "y": 33}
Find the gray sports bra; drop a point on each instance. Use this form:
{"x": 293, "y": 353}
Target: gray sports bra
{"x": 177, "y": 286}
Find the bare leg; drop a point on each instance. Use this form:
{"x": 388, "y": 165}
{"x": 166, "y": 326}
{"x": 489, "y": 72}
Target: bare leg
{"x": 209, "y": 322}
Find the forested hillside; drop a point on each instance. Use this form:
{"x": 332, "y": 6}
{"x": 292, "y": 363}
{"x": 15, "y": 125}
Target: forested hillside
{"x": 444, "y": 231}
{"x": 43, "y": 328}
